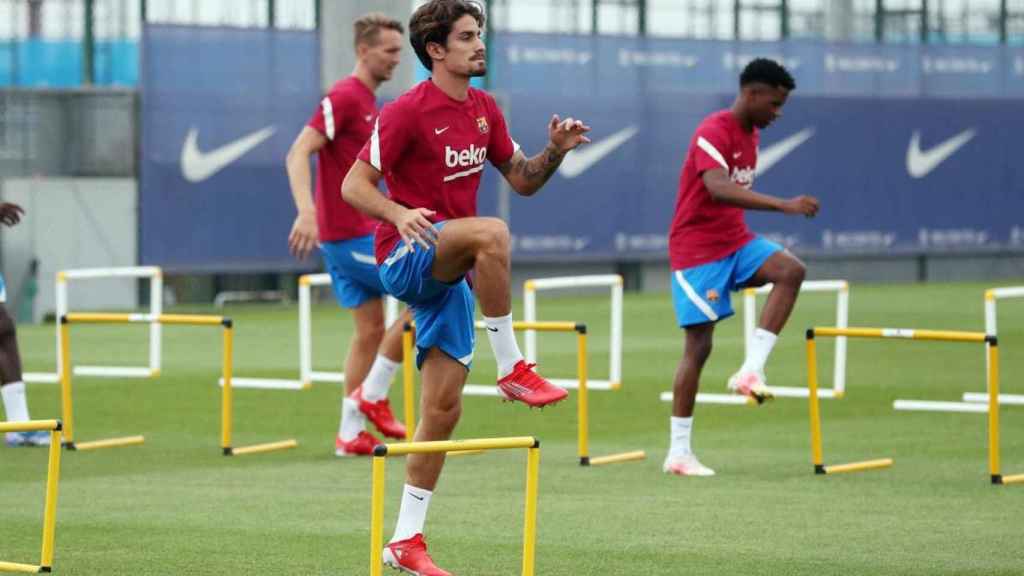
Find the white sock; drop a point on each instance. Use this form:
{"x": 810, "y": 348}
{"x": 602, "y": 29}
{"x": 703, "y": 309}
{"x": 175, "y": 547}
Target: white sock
{"x": 503, "y": 342}
{"x": 352, "y": 420}
{"x": 413, "y": 513}
{"x": 681, "y": 428}
{"x": 760, "y": 347}
{"x": 15, "y": 405}
{"x": 377, "y": 382}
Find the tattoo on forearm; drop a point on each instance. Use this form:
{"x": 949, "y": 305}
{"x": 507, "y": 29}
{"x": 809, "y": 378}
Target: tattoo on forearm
{"x": 538, "y": 170}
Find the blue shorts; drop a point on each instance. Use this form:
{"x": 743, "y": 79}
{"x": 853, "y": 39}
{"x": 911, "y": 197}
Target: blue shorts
{"x": 353, "y": 270}
{"x": 443, "y": 312}
{"x": 701, "y": 294}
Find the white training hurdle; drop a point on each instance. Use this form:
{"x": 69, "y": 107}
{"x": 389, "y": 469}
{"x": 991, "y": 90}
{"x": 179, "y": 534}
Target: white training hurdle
{"x": 974, "y": 401}
{"x": 842, "y": 290}
{"x": 307, "y": 375}
{"x": 614, "y": 283}
{"x": 156, "y": 287}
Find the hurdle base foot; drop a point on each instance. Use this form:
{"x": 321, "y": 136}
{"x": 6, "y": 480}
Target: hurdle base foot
{"x": 108, "y": 443}
{"x": 1015, "y": 479}
{"x": 855, "y": 466}
{"x": 819, "y": 468}
{"x": 584, "y": 460}
{"x": 619, "y": 458}
{"x": 23, "y": 568}
{"x": 261, "y": 448}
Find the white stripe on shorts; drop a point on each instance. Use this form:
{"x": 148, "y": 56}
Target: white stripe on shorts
{"x": 363, "y": 258}
{"x": 697, "y": 300}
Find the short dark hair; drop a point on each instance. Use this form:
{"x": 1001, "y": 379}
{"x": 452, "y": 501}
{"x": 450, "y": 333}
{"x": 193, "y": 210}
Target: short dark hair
{"x": 366, "y": 29}
{"x": 433, "y": 22}
{"x": 766, "y": 71}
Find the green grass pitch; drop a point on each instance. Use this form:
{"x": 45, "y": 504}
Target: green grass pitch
{"x": 176, "y": 506}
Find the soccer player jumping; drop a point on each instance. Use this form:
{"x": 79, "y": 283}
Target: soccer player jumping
{"x": 712, "y": 252}
{"x": 430, "y": 145}
{"x": 337, "y": 131}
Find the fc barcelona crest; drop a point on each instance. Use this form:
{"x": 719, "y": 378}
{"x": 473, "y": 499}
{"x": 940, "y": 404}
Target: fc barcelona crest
{"x": 481, "y": 123}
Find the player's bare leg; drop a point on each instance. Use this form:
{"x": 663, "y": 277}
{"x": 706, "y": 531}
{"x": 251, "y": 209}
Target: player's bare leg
{"x": 681, "y": 460}
{"x": 373, "y": 358}
{"x": 440, "y": 409}
{"x": 12, "y": 388}
{"x": 787, "y": 273}
{"x": 482, "y": 245}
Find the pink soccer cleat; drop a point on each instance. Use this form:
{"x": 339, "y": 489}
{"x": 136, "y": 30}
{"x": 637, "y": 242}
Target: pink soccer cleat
{"x": 528, "y": 387}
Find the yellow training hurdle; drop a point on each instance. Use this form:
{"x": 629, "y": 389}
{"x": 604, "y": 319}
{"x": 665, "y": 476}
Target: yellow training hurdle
{"x": 380, "y": 454}
{"x": 992, "y": 349}
{"x": 50, "y": 506}
{"x": 226, "y": 424}
{"x": 582, "y": 401}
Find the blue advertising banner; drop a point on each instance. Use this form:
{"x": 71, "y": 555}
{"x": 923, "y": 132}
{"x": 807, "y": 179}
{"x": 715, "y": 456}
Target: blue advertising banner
{"x": 220, "y": 107}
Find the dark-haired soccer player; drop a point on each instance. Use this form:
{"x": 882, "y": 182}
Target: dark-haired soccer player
{"x": 712, "y": 251}
{"x": 431, "y": 145}
{"x": 336, "y": 133}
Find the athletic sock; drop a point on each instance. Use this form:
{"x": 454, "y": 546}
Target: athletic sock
{"x": 15, "y": 404}
{"x": 378, "y": 380}
{"x": 680, "y": 436}
{"x": 503, "y": 342}
{"x": 352, "y": 420}
{"x": 760, "y": 347}
{"x": 413, "y": 513}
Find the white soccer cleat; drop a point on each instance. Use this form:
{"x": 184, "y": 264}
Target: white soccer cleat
{"x": 751, "y": 384}
{"x": 687, "y": 465}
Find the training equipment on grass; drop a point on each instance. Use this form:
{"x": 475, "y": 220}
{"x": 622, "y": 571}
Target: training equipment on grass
{"x": 532, "y": 446}
{"x": 992, "y": 349}
{"x": 50, "y": 505}
{"x": 582, "y": 385}
{"x": 307, "y": 375}
{"x": 67, "y": 406}
{"x": 156, "y": 289}
{"x": 842, "y": 290}
{"x": 991, "y": 296}
{"x": 613, "y": 281}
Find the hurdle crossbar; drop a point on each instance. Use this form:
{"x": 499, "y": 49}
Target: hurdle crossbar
{"x": 614, "y": 283}
{"x": 992, "y": 374}
{"x": 50, "y": 502}
{"x": 382, "y": 451}
{"x": 842, "y": 290}
{"x": 582, "y": 396}
{"x": 227, "y": 403}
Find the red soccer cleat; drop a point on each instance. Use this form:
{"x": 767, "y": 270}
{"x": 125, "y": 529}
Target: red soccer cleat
{"x": 528, "y": 387}
{"x": 379, "y": 413}
{"x": 410, "y": 556}
{"x": 361, "y": 445}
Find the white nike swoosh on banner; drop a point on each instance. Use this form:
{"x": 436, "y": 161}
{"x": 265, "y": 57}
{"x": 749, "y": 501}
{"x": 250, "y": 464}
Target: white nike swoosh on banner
{"x": 771, "y": 155}
{"x": 197, "y": 166}
{"x": 920, "y": 163}
{"x": 582, "y": 159}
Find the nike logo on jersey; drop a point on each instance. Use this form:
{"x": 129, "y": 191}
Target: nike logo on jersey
{"x": 439, "y": 131}
{"x": 582, "y": 159}
{"x": 921, "y": 162}
{"x": 369, "y": 117}
{"x": 736, "y": 155}
{"x": 197, "y": 166}
{"x": 770, "y": 156}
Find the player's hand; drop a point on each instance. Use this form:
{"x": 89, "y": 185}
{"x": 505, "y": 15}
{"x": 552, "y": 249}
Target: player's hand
{"x": 805, "y": 205}
{"x": 304, "y": 235}
{"x": 415, "y": 227}
{"x": 567, "y": 134}
{"x": 10, "y": 214}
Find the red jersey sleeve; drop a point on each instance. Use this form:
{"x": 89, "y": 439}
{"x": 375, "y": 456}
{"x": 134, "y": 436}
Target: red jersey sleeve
{"x": 502, "y": 147}
{"x": 711, "y": 147}
{"x": 327, "y": 119}
{"x": 392, "y": 133}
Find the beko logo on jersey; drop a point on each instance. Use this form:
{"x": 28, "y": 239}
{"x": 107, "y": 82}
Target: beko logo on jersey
{"x": 743, "y": 176}
{"x": 464, "y": 158}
